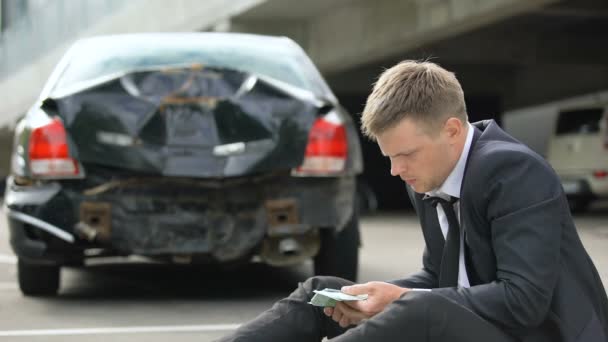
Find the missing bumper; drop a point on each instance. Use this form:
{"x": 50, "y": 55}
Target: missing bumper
{"x": 95, "y": 221}
{"x": 288, "y": 241}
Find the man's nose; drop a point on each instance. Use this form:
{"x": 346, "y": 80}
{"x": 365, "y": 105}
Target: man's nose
{"x": 397, "y": 168}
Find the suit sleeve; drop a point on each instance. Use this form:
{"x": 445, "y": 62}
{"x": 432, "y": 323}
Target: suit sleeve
{"x": 426, "y": 278}
{"x": 523, "y": 206}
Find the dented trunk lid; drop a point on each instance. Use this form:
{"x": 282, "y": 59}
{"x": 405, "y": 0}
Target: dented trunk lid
{"x": 190, "y": 122}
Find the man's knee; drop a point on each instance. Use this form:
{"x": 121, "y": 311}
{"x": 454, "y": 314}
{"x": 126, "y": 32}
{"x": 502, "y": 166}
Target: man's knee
{"x": 428, "y": 309}
{"x": 426, "y": 299}
{"x": 322, "y": 282}
{"x": 413, "y": 312}
{"x": 423, "y": 305}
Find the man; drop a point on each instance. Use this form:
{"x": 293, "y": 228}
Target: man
{"x": 503, "y": 261}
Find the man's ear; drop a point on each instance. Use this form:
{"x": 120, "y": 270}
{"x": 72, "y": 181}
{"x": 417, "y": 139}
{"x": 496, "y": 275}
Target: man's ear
{"x": 453, "y": 128}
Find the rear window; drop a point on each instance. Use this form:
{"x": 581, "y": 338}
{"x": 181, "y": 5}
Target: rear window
{"x": 579, "y": 121}
{"x": 103, "y": 56}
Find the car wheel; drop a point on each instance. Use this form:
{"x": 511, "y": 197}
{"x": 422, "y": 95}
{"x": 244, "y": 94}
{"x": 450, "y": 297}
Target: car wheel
{"x": 578, "y": 205}
{"x": 38, "y": 280}
{"x": 367, "y": 203}
{"x": 339, "y": 252}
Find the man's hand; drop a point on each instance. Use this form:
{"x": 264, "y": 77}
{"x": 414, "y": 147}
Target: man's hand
{"x": 380, "y": 294}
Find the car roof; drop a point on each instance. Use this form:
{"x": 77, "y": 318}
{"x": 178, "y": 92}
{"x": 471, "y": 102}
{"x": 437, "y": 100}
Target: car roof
{"x": 225, "y": 38}
{"x": 257, "y": 53}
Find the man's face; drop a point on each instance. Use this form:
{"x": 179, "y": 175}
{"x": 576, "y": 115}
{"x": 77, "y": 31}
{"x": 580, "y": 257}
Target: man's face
{"x": 421, "y": 160}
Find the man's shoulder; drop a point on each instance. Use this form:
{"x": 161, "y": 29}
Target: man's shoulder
{"x": 496, "y": 153}
{"x": 499, "y": 166}
{"x": 496, "y": 145}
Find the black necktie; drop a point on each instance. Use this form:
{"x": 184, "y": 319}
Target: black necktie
{"x": 448, "y": 272}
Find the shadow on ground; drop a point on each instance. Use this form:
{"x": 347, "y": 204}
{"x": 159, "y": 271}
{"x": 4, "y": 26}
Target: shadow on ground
{"x": 166, "y": 282}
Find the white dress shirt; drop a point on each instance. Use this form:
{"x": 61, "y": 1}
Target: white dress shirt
{"x": 451, "y": 187}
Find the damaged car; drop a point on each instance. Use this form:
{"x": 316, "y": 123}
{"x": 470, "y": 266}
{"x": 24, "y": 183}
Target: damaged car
{"x": 197, "y": 148}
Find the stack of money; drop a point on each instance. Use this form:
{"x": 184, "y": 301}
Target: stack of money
{"x": 329, "y": 297}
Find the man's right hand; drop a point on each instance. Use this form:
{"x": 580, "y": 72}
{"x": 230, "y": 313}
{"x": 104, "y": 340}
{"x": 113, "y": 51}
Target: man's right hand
{"x": 380, "y": 294}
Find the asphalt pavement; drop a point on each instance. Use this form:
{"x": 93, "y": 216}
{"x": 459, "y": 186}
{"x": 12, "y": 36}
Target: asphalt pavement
{"x": 134, "y": 301}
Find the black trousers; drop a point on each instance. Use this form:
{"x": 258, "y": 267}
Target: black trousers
{"x": 416, "y": 316}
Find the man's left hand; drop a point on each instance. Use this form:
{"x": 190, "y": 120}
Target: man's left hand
{"x": 380, "y": 294}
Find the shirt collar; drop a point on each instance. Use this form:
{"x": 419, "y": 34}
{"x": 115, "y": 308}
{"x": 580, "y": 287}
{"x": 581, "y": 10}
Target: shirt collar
{"x": 451, "y": 185}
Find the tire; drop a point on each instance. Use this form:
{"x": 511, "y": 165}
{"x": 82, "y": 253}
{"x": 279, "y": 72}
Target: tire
{"x": 38, "y": 280}
{"x": 339, "y": 253}
{"x": 579, "y": 205}
{"x": 367, "y": 202}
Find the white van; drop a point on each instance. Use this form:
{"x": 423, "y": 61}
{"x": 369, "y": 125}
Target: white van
{"x": 578, "y": 151}
{"x": 572, "y": 134}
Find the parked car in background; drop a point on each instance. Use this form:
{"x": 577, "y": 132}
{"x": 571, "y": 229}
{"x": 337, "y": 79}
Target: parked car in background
{"x": 578, "y": 151}
{"x": 571, "y": 134}
{"x": 186, "y": 148}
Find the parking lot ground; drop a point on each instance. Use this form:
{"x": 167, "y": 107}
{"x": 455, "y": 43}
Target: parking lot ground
{"x": 132, "y": 301}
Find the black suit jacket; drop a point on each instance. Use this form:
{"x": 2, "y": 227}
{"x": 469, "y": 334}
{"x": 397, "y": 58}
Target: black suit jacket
{"x": 529, "y": 271}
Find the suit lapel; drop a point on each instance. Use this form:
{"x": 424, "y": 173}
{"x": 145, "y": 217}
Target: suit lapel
{"x": 476, "y": 135}
{"x": 471, "y": 269}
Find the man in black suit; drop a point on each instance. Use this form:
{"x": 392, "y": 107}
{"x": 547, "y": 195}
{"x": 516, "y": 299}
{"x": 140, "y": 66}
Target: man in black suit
{"x": 503, "y": 261}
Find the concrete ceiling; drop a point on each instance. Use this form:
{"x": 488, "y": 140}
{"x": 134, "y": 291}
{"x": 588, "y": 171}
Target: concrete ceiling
{"x": 546, "y": 54}
{"x": 540, "y": 50}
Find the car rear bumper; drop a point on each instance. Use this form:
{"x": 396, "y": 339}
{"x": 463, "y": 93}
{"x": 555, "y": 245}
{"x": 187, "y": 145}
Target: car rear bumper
{"x": 577, "y": 188}
{"x": 584, "y": 184}
{"x": 32, "y": 240}
{"x": 185, "y": 219}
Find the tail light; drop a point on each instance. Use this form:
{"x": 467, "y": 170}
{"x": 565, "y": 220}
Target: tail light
{"x": 49, "y": 153}
{"x": 600, "y": 174}
{"x": 327, "y": 148}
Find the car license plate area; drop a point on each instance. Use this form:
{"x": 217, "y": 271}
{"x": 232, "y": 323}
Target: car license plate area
{"x": 190, "y": 126}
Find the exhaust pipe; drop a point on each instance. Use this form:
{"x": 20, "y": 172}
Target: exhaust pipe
{"x": 85, "y": 231}
{"x": 289, "y": 247}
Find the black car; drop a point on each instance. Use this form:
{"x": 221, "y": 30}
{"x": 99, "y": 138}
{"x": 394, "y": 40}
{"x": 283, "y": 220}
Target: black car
{"x": 187, "y": 148}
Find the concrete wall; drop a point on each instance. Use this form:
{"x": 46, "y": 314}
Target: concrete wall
{"x": 362, "y": 31}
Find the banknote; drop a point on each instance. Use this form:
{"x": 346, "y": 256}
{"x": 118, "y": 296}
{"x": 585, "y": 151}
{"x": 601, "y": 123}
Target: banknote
{"x": 329, "y": 297}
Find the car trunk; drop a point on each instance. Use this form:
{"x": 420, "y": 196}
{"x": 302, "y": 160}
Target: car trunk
{"x": 189, "y": 122}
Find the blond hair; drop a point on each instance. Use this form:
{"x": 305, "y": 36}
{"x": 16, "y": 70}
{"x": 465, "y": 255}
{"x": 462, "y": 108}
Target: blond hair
{"x": 420, "y": 90}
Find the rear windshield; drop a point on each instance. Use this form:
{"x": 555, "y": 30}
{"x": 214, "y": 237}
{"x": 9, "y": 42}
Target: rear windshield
{"x": 273, "y": 57}
{"x": 579, "y": 121}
